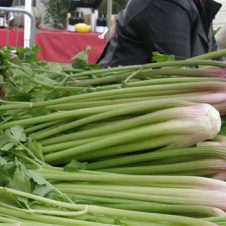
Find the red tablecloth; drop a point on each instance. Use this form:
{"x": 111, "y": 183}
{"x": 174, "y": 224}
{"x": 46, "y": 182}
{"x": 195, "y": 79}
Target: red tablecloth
{"x": 11, "y": 37}
{"x": 57, "y": 46}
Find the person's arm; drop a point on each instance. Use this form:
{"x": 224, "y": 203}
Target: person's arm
{"x": 165, "y": 26}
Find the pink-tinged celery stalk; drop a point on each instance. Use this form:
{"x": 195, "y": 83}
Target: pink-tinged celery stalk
{"x": 216, "y": 72}
{"x": 198, "y": 123}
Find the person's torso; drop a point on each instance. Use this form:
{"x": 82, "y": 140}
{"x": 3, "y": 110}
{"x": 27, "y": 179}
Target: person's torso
{"x": 126, "y": 47}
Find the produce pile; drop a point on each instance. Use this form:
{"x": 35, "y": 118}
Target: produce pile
{"x": 132, "y": 146}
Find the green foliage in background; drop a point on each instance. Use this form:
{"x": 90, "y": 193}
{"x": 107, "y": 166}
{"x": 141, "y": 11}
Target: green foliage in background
{"x": 118, "y": 5}
{"x": 56, "y": 12}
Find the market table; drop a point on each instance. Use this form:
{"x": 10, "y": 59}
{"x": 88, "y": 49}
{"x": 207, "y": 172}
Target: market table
{"x": 57, "y": 46}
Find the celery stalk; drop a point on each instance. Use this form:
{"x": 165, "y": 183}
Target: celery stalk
{"x": 122, "y": 110}
{"x": 207, "y": 167}
{"x": 141, "y": 180}
{"x": 183, "y": 153}
{"x": 206, "y": 128}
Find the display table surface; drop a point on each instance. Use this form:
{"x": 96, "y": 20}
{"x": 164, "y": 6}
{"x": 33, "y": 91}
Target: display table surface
{"x": 57, "y": 46}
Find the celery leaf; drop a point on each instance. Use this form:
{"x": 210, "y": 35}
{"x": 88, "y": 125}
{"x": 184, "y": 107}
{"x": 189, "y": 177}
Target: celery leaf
{"x": 20, "y": 181}
{"x": 17, "y": 133}
{"x": 43, "y": 191}
{"x": 158, "y": 57}
{"x": 75, "y": 166}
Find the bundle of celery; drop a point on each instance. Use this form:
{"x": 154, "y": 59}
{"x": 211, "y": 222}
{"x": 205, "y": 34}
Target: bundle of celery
{"x": 52, "y": 196}
{"x": 46, "y": 212}
{"x": 158, "y": 119}
{"x": 147, "y": 125}
{"x": 133, "y": 117}
{"x": 38, "y": 81}
{"x": 206, "y": 159}
{"x": 164, "y": 194}
{"x": 200, "y": 161}
{"x": 158, "y": 107}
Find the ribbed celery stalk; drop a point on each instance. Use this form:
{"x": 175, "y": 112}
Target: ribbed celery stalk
{"x": 140, "y": 190}
{"x": 218, "y": 220}
{"x": 120, "y": 111}
{"x": 173, "y": 196}
{"x": 156, "y": 157}
{"x": 47, "y": 219}
{"x": 60, "y": 116}
{"x": 183, "y": 210}
{"x": 211, "y": 55}
{"x": 198, "y": 86}
{"x": 41, "y": 126}
{"x": 117, "y": 126}
{"x": 28, "y": 223}
{"x": 206, "y": 125}
{"x": 144, "y": 206}
{"x": 150, "y": 73}
{"x": 199, "y": 97}
{"x": 190, "y": 62}
{"x": 204, "y": 167}
{"x": 58, "y": 147}
{"x": 141, "y": 180}
{"x": 5, "y": 219}
{"x": 144, "y": 132}
{"x": 130, "y": 215}
{"x": 151, "y": 143}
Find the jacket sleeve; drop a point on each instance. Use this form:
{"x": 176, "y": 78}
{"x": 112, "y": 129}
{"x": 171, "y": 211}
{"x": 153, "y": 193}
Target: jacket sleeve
{"x": 165, "y": 26}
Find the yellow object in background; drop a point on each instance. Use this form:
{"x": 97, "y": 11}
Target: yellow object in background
{"x": 82, "y": 28}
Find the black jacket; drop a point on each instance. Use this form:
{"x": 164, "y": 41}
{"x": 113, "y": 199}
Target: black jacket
{"x": 176, "y": 27}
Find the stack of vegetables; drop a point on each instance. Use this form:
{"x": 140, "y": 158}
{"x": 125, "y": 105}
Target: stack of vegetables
{"x": 138, "y": 145}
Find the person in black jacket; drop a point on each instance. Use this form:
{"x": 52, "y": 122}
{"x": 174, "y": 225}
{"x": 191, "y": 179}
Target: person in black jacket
{"x": 178, "y": 27}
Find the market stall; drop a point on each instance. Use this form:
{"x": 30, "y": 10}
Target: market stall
{"x": 57, "y": 46}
